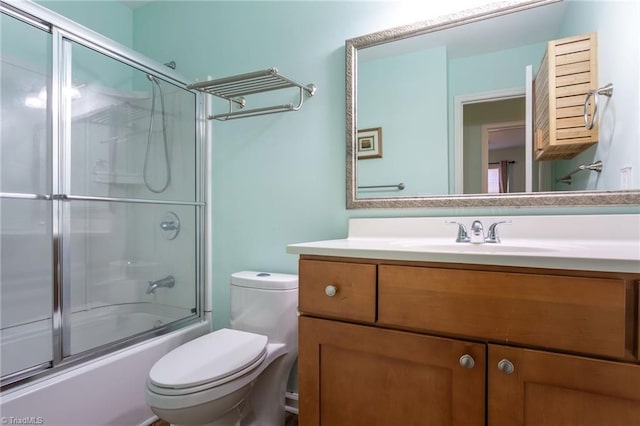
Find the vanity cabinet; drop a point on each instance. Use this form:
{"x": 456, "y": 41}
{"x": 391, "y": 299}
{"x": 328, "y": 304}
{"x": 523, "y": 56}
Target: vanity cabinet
{"x": 438, "y": 343}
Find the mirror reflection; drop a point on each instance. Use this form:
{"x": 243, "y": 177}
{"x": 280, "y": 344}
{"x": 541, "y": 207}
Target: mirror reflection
{"x": 453, "y": 103}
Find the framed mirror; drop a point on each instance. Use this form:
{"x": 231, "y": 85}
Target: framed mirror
{"x": 452, "y": 99}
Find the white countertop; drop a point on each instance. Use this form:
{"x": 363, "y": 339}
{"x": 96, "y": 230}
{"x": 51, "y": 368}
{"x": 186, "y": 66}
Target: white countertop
{"x": 585, "y": 243}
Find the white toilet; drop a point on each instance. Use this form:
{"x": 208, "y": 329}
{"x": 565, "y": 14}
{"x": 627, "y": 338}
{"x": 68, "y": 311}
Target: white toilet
{"x": 237, "y": 376}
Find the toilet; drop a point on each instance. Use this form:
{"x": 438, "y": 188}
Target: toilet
{"x": 236, "y": 376}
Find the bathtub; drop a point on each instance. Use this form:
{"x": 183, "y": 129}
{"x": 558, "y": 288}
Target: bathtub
{"x": 30, "y": 344}
{"x": 99, "y": 326}
{"x": 108, "y": 390}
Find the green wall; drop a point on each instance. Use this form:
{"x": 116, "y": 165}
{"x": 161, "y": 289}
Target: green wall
{"x": 399, "y": 94}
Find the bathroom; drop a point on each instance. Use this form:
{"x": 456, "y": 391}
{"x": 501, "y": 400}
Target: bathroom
{"x": 277, "y": 179}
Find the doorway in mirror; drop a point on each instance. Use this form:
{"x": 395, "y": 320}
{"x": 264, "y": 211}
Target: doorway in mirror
{"x": 494, "y": 146}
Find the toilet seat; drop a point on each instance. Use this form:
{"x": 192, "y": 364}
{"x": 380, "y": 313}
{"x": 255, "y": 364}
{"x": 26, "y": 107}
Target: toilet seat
{"x": 168, "y": 391}
{"x": 176, "y": 399}
{"x": 207, "y": 362}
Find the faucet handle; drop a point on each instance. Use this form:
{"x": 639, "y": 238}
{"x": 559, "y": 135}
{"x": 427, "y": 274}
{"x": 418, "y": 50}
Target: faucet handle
{"x": 492, "y": 234}
{"x": 463, "y": 236}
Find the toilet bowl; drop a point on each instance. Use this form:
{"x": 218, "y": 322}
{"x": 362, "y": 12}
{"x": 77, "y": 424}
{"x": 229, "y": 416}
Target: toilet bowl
{"x": 236, "y": 376}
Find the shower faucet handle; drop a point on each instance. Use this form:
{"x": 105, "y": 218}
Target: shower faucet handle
{"x": 169, "y": 225}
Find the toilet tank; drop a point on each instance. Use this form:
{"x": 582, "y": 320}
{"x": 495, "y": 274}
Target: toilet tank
{"x": 265, "y": 303}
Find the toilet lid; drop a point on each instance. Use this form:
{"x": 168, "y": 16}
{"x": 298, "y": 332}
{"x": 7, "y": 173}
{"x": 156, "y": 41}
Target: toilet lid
{"x": 208, "y": 358}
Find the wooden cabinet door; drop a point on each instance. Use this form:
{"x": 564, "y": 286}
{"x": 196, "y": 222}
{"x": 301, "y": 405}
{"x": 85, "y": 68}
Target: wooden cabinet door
{"x": 554, "y": 389}
{"x": 356, "y": 375}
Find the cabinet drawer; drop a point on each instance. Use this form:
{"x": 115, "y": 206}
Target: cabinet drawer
{"x": 355, "y": 289}
{"x": 589, "y": 315}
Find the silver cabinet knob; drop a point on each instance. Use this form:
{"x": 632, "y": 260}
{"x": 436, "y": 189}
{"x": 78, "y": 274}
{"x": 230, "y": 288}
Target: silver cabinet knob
{"x": 467, "y": 361}
{"x": 505, "y": 366}
{"x": 330, "y": 290}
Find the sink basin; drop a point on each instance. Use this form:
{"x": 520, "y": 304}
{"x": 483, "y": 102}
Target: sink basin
{"x": 489, "y": 248}
{"x": 608, "y": 243}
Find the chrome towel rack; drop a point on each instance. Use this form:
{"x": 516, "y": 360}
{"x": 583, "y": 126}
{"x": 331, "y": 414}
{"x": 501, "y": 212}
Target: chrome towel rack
{"x": 399, "y": 186}
{"x": 603, "y": 91}
{"x": 235, "y": 88}
{"x": 594, "y": 167}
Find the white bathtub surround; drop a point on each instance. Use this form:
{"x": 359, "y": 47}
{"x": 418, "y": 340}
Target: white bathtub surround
{"x": 108, "y": 390}
{"x": 574, "y": 242}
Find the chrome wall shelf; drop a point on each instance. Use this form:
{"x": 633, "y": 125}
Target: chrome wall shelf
{"x": 235, "y": 88}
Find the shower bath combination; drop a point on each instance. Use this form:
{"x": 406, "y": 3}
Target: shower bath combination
{"x": 88, "y": 273}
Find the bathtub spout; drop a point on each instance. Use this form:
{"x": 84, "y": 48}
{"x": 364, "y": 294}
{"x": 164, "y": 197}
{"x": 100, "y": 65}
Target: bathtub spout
{"x": 169, "y": 281}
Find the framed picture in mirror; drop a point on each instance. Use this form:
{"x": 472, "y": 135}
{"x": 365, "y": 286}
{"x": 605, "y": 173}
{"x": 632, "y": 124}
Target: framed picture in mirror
{"x": 370, "y": 143}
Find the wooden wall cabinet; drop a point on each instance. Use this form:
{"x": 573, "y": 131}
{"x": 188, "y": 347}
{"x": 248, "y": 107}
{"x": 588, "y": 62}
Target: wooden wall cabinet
{"x": 465, "y": 345}
{"x": 569, "y": 70}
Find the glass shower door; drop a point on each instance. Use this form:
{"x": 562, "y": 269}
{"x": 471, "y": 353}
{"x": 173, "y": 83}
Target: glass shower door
{"x": 101, "y": 200}
{"x": 130, "y": 208}
{"x": 26, "y": 249}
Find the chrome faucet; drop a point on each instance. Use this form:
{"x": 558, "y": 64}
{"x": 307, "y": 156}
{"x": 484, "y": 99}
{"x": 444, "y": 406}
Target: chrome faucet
{"x": 477, "y": 233}
{"x": 169, "y": 281}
